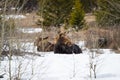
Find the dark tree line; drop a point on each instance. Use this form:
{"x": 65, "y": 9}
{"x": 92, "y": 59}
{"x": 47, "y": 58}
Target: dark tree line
{"x": 27, "y": 5}
{"x": 55, "y": 12}
{"x": 30, "y": 5}
{"x": 108, "y": 13}
{"x": 89, "y": 5}
{"x": 70, "y": 12}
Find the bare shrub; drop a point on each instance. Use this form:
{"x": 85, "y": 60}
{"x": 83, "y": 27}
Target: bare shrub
{"x": 115, "y": 38}
{"x": 103, "y": 38}
{"x": 98, "y": 38}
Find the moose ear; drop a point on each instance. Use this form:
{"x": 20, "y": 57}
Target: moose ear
{"x": 45, "y": 38}
{"x": 67, "y": 32}
{"x": 59, "y": 32}
{"x": 39, "y": 38}
{"x": 64, "y": 33}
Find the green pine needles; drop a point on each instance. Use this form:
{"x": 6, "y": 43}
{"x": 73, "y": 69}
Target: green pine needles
{"x": 55, "y": 12}
{"x": 77, "y": 16}
{"x": 108, "y": 13}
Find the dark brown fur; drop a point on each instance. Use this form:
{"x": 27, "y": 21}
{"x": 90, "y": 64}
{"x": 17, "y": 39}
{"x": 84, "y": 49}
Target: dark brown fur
{"x": 43, "y": 44}
{"x": 63, "y": 45}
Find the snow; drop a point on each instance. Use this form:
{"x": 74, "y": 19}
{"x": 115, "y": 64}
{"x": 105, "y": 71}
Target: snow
{"x": 111, "y": 68}
{"x": 81, "y": 43}
{"x": 52, "y": 66}
{"x": 14, "y": 8}
{"x": 13, "y": 16}
{"x": 30, "y": 30}
{"x": 25, "y": 46}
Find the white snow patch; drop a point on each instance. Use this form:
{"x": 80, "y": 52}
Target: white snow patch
{"x": 30, "y": 30}
{"x": 62, "y": 66}
{"x": 14, "y": 8}
{"x": 81, "y": 43}
{"x": 13, "y": 16}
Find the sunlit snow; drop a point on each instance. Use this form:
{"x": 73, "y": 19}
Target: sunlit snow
{"x": 52, "y": 66}
{"x": 30, "y": 30}
{"x": 13, "y": 16}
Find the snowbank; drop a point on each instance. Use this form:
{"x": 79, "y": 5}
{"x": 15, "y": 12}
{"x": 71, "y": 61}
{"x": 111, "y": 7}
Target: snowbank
{"x": 30, "y": 30}
{"x": 52, "y": 66}
{"x": 13, "y": 17}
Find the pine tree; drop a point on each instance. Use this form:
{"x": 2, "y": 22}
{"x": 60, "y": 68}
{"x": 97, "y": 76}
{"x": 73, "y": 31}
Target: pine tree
{"x": 55, "y": 12}
{"x": 108, "y": 13}
{"x": 77, "y": 15}
{"x": 89, "y": 5}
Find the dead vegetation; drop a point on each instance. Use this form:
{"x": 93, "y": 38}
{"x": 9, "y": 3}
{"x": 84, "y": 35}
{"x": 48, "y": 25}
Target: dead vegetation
{"x": 29, "y": 21}
{"x": 103, "y": 38}
{"x": 95, "y": 37}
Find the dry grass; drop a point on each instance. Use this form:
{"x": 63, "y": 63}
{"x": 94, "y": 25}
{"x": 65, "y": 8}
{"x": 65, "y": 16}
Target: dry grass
{"x": 29, "y": 21}
{"x": 90, "y": 36}
{"x": 112, "y": 36}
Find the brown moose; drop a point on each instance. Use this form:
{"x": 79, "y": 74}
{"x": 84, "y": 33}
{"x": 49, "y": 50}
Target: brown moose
{"x": 43, "y": 44}
{"x": 61, "y": 45}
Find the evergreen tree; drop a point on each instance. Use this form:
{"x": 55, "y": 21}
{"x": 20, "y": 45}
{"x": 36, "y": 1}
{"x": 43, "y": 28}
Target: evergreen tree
{"x": 77, "y": 15}
{"x": 29, "y": 5}
{"x": 108, "y": 13}
{"x": 55, "y": 12}
{"x": 89, "y": 5}
{"x": 25, "y": 5}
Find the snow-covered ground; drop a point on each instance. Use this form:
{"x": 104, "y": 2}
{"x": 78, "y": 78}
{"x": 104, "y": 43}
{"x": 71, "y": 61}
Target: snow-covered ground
{"x": 13, "y": 16}
{"x": 30, "y": 30}
{"x": 52, "y": 66}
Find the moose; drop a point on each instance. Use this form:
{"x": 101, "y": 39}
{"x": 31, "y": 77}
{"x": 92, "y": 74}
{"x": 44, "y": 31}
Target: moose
{"x": 43, "y": 44}
{"x": 62, "y": 45}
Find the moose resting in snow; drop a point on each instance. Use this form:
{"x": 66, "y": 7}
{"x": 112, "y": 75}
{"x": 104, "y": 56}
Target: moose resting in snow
{"x": 43, "y": 44}
{"x": 62, "y": 45}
